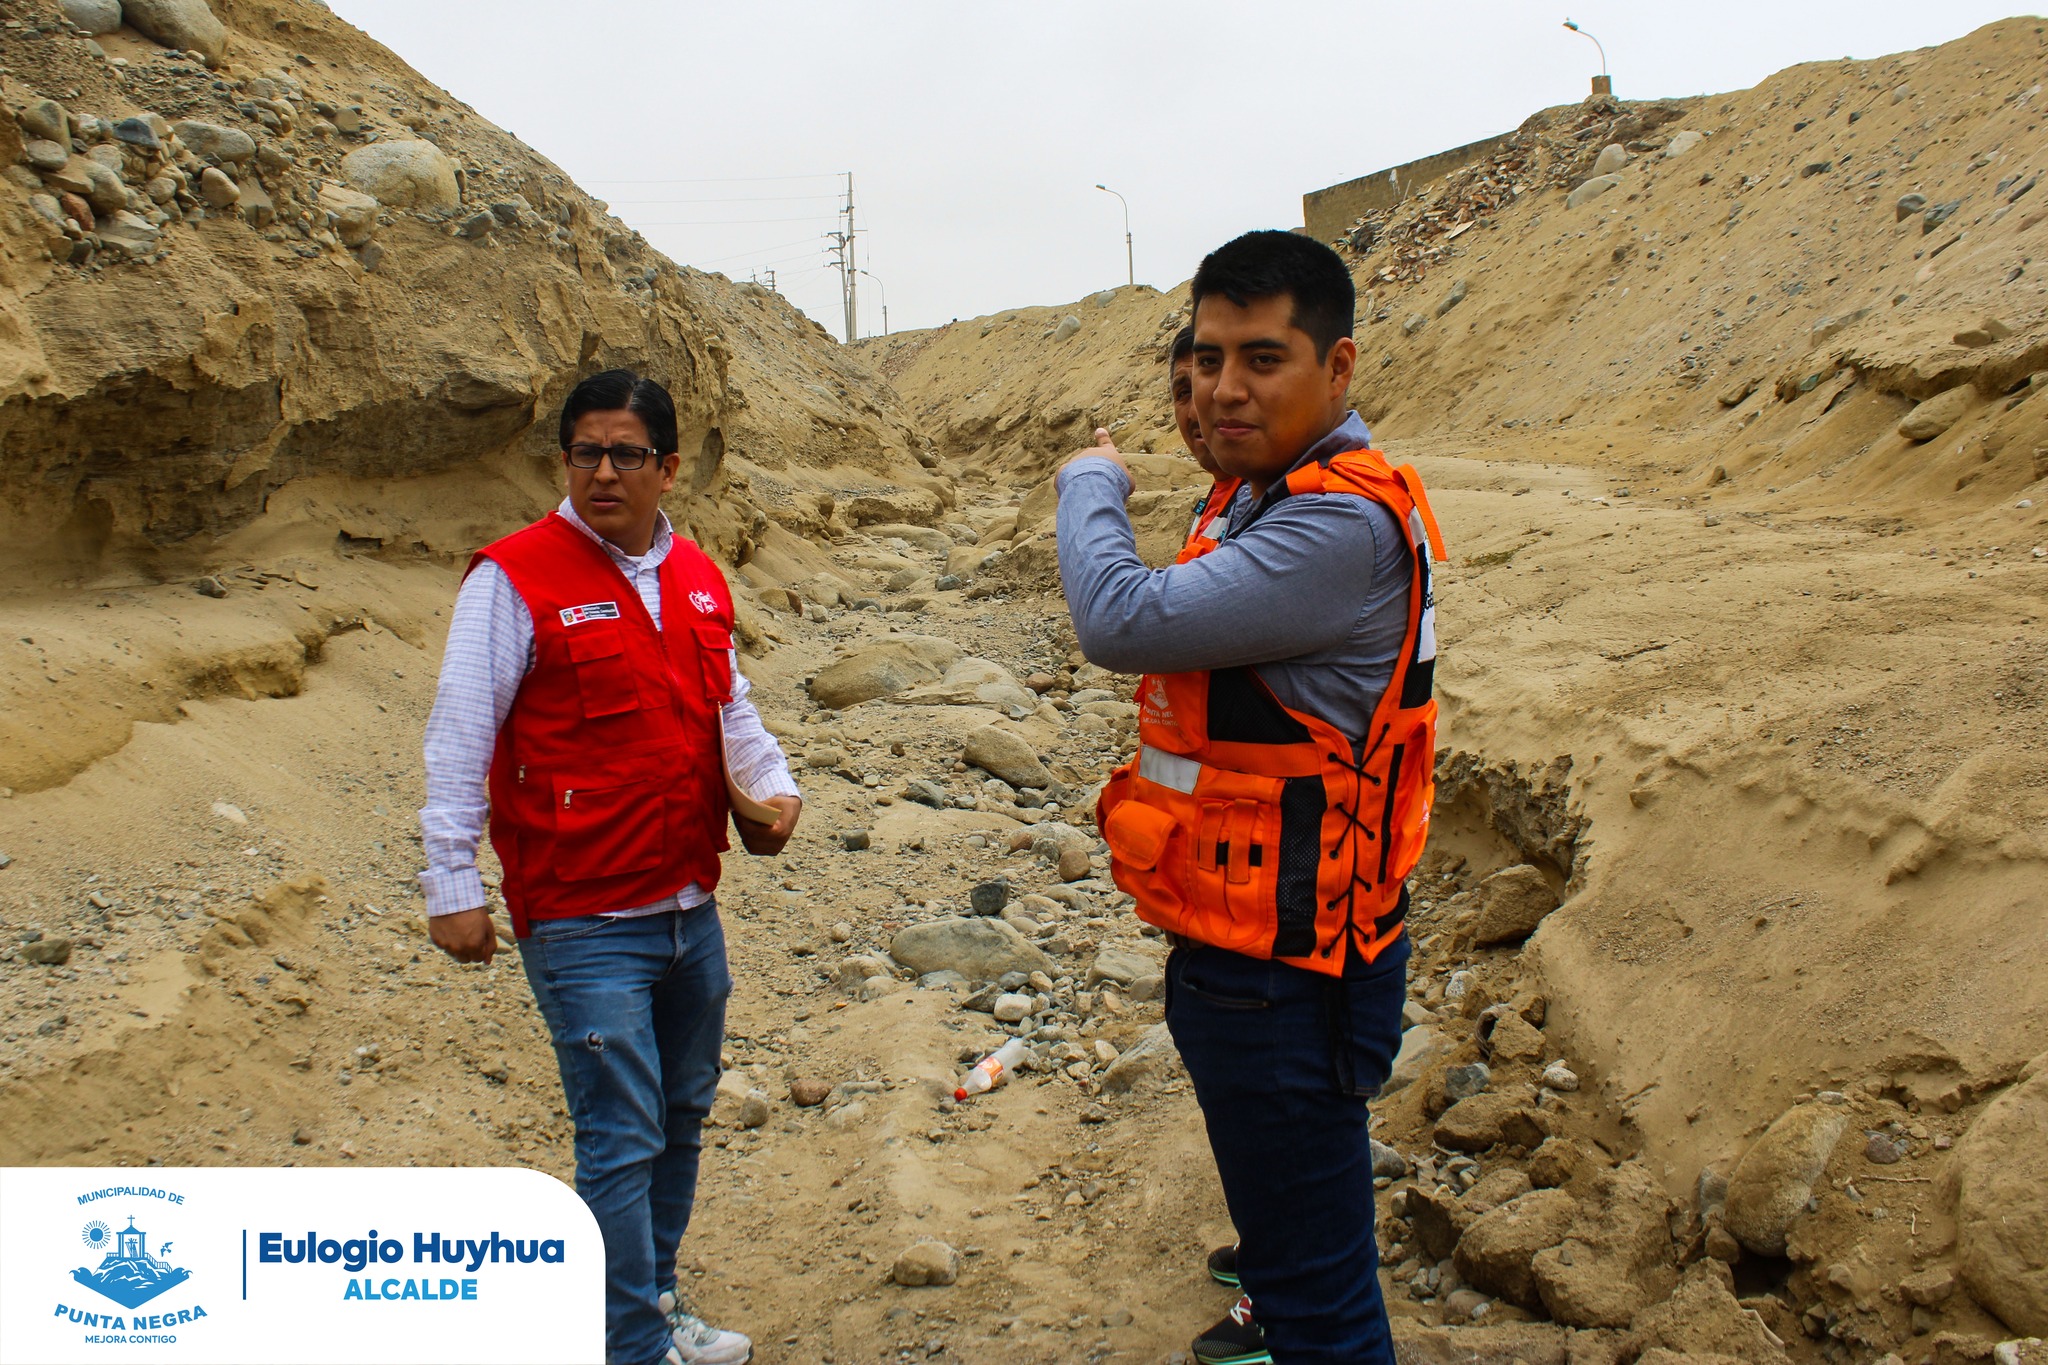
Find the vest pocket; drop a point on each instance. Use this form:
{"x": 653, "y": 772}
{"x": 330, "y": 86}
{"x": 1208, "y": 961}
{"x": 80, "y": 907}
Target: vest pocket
{"x": 608, "y": 831}
{"x": 714, "y": 651}
{"x": 1137, "y": 834}
{"x": 604, "y": 673}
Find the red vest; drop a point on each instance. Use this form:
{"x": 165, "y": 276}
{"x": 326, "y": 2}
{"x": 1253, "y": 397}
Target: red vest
{"x": 1247, "y": 825}
{"x": 608, "y": 788}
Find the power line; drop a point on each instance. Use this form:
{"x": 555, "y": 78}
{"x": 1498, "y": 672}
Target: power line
{"x": 756, "y": 251}
{"x": 741, "y": 199}
{"x": 730, "y": 222}
{"x": 720, "y": 179}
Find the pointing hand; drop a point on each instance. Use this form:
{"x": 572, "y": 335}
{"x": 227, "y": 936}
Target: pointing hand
{"x": 1104, "y": 448}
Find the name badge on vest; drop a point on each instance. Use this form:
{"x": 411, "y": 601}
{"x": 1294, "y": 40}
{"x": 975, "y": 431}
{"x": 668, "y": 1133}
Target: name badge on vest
{"x": 590, "y": 611}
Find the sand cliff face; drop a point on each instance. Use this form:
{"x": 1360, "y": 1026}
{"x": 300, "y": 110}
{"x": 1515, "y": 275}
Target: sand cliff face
{"x": 309, "y": 267}
{"x": 293, "y": 300}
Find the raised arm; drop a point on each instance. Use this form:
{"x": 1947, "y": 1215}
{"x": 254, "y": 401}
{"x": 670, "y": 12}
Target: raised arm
{"x": 1291, "y": 585}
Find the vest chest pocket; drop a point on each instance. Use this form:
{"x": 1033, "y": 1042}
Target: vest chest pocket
{"x": 714, "y": 654}
{"x": 608, "y": 831}
{"x": 604, "y": 672}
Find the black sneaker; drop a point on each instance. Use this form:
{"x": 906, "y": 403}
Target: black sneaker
{"x": 1223, "y": 1265}
{"x": 1236, "y": 1340}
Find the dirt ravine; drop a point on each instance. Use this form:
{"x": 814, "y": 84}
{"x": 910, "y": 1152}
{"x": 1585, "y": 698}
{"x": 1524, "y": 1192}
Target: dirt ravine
{"x": 1726, "y": 1035}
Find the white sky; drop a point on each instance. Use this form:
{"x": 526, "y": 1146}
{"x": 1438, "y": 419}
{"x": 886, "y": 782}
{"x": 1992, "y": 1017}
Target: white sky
{"x": 976, "y": 130}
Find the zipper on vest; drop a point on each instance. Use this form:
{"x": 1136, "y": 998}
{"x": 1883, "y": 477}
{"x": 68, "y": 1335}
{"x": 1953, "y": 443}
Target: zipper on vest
{"x": 567, "y": 797}
{"x": 522, "y": 772}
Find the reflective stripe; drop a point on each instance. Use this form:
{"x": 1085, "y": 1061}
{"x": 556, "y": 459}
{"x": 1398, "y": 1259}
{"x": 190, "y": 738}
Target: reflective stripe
{"x": 1168, "y": 770}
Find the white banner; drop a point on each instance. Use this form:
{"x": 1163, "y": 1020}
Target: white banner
{"x": 297, "y": 1267}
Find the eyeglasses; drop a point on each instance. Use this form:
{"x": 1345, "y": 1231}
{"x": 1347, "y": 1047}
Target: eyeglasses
{"x": 625, "y": 459}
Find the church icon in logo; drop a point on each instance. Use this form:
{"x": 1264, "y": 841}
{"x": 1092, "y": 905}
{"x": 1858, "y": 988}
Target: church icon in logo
{"x": 128, "y": 1275}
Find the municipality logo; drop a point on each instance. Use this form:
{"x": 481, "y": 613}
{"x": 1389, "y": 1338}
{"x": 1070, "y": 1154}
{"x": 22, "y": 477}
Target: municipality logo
{"x": 129, "y": 1273}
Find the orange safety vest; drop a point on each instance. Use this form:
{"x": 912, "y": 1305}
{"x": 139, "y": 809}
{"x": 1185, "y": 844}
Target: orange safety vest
{"x": 1247, "y": 825}
{"x": 1200, "y": 542}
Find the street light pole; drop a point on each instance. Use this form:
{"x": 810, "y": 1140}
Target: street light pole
{"x": 1603, "y": 84}
{"x": 884, "y": 291}
{"x": 1130, "y": 269}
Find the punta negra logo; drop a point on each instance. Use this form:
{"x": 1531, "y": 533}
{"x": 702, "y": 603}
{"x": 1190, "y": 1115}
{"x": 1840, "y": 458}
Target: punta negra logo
{"x": 428, "y": 1248}
{"x": 128, "y": 1273}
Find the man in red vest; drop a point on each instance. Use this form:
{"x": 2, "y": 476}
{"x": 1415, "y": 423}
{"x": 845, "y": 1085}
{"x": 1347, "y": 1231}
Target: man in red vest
{"x": 1281, "y": 790}
{"x": 590, "y": 701}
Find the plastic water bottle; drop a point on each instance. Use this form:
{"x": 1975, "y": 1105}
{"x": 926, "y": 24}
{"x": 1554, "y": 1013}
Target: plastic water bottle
{"x": 990, "y": 1071}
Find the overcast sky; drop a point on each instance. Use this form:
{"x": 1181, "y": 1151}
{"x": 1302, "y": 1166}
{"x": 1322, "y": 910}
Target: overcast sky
{"x": 976, "y": 130}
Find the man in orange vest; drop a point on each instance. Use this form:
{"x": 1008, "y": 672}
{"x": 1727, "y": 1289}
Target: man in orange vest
{"x": 590, "y": 701}
{"x": 1281, "y": 790}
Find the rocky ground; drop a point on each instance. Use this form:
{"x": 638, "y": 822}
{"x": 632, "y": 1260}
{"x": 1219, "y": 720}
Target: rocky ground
{"x": 1725, "y": 1016}
{"x": 244, "y": 977}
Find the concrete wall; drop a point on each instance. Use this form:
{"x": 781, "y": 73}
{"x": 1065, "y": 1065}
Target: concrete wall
{"x": 1328, "y": 213}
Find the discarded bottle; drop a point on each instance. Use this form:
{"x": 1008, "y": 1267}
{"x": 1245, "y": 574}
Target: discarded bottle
{"x": 990, "y": 1071}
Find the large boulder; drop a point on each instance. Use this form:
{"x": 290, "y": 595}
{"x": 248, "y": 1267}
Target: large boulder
{"x": 883, "y": 669}
{"x": 1143, "y": 1065}
{"x": 911, "y": 506}
{"x": 1420, "y": 1046}
{"x": 186, "y": 25}
{"x": 1618, "y": 1258}
{"x": 1439, "y": 1219}
{"x": 1483, "y": 1121}
{"x": 2001, "y": 1171}
{"x": 1508, "y": 1343}
{"x": 925, "y": 538}
{"x": 1702, "y": 1318}
{"x": 408, "y": 174}
{"x": 355, "y": 213}
{"x": 1495, "y": 1253}
{"x": 1123, "y": 965}
{"x": 1507, "y": 906}
{"x": 212, "y": 142}
{"x": 1591, "y": 190}
{"x": 973, "y": 682}
{"x": 94, "y": 16}
{"x": 1768, "y": 1190}
{"x": 1937, "y": 414}
{"x": 1613, "y": 157}
{"x": 1008, "y": 755}
{"x": 978, "y": 949}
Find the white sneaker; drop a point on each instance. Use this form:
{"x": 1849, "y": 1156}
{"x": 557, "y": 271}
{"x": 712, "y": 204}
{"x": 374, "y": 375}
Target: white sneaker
{"x": 697, "y": 1342}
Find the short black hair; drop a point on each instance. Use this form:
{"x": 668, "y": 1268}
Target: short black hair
{"x": 614, "y": 390}
{"x": 1264, "y": 265}
{"x": 1183, "y": 346}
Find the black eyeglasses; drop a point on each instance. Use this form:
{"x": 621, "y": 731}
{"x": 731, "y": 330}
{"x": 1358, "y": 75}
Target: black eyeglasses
{"x": 625, "y": 459}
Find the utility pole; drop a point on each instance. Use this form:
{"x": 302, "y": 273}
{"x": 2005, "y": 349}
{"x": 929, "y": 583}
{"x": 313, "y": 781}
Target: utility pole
{"x": 842, "y": 242}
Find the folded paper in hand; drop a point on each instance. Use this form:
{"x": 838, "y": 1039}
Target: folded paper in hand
{"x": 744, "y": 804}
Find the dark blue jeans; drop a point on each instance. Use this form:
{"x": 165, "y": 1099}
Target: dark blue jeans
{"x": 1283, "y": 1062}
{"x": 636, "y": 1009}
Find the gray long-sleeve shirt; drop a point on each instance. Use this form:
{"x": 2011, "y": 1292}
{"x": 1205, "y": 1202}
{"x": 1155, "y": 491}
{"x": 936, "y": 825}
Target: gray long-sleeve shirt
{"x": 1313, "y": 592}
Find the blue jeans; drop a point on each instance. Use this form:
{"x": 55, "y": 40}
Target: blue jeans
{"x": 636, "y": 1009}
{"x": 1283, "y": 1061}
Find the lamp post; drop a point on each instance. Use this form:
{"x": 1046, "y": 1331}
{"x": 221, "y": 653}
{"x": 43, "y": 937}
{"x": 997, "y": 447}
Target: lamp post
{"x": 1603, "y": 84}
{"x": 884, "y": 289}
{"x": 1130, "y": 269}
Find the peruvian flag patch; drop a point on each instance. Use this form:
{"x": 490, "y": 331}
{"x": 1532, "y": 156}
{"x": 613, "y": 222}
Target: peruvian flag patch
{"x": 590, "y": 611}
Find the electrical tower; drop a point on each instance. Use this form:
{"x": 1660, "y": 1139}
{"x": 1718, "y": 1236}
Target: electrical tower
{"x": 842, "y": 243}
